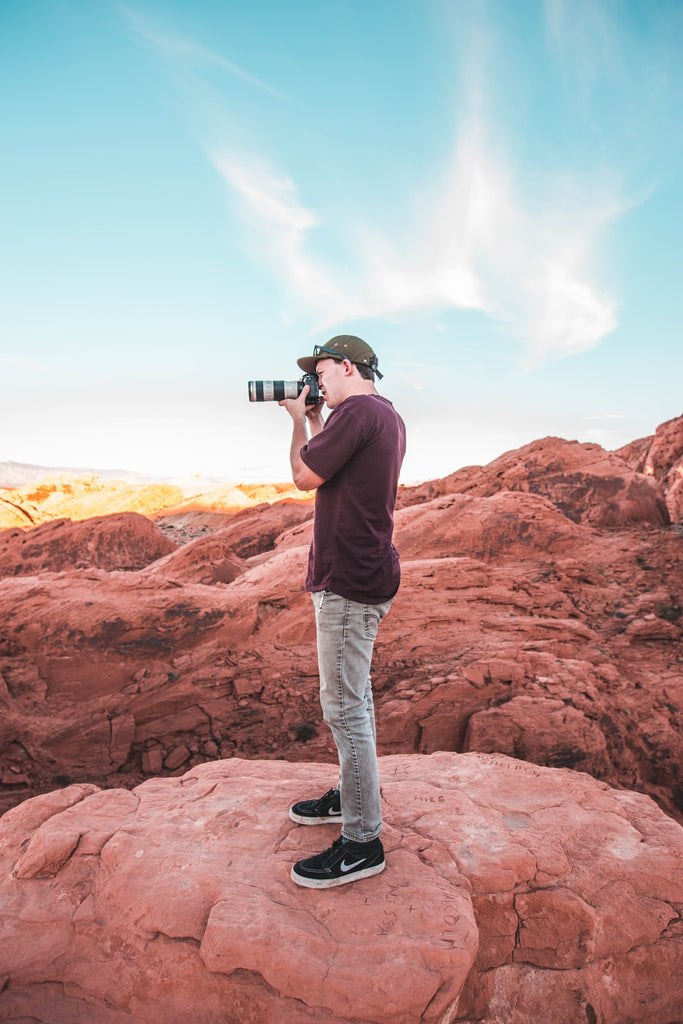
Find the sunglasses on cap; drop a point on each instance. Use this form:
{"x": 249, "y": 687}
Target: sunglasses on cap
{"x": 322, "y": 351}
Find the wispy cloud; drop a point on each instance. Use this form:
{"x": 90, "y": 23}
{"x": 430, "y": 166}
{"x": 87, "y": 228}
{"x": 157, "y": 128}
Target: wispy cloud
{"x": 184, "y": 51}
{"x": 470, "y": 238}
{"x": 473, "y": 243}
{"x": 269, "y": 199}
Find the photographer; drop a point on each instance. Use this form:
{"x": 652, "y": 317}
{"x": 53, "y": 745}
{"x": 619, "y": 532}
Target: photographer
{"x": 352, "y": 460}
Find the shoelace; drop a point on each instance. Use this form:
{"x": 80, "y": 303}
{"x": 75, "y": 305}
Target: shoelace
{"x": 332, "y": 851}
{"x": 322, "y": 799}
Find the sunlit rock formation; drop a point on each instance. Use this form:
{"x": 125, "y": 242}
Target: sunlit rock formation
{"x": 511, "y": 893}
{"x": 133, "y": 646}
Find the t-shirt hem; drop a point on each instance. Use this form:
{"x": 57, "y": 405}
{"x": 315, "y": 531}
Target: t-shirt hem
{"x": 350, "y": 595}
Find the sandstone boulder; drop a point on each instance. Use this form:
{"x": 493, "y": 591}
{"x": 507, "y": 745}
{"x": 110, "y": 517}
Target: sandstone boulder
{"x": 206, "y": 560}
{"x": 504, "y": 525}
{"x": 222, "y": 542}
{"x": 541, "y": 730}
{"x": 122, "y": 541}
{"x": 511, "y": 893}
{"x": 587, "y": 484}
{"x": 661, "y": 457}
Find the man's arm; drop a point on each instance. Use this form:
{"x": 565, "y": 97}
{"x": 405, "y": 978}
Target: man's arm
{"x": 303, "y": 415}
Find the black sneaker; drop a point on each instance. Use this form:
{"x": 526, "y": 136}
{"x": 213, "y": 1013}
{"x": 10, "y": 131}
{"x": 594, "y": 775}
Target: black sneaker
{"x": 325, "y": 810}
{"x": 345, "y": 861}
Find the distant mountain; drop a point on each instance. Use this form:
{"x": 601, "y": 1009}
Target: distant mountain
{"x": 21, "y": 474}
{"x": 195, "y": 502}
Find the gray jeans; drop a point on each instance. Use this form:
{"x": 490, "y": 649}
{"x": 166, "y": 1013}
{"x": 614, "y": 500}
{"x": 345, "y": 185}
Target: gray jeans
{"x": 346, "y": 632}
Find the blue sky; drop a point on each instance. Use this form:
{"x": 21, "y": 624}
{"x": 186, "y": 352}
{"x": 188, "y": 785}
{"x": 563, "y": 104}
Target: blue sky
{"x": 193, "y": 194}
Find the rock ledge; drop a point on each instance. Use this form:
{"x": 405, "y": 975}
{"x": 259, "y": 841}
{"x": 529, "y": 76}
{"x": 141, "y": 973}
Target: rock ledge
{"x": 512, "y": 893}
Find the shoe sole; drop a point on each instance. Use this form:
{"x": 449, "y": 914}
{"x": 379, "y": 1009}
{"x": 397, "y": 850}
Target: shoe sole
{"x": 330, "y": 819}
{"x": 330, "y": 883}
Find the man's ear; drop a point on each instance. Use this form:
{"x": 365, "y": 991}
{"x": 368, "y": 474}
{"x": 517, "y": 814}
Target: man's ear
{"x": 348, "y": 367}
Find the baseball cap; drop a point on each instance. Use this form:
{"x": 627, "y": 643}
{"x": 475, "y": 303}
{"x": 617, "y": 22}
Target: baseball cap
{"x": 342, "y": 346}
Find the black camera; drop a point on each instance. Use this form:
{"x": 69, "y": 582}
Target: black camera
{"x": 276, "y": 390}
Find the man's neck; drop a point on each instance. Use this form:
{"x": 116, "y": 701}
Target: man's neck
{"x": 362, "y": 387}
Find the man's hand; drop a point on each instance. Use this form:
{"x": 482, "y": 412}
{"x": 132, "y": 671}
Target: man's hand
{"x": 299, "y": 409}
{"x": 296, "y": 407}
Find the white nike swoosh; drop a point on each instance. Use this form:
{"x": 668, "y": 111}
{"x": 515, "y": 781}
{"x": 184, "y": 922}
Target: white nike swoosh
{"x": 332, "y": 811}
{"x": 348, "y": 867}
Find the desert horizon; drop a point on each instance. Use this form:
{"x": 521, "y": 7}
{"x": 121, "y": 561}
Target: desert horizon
{"x": 113, "y": 485}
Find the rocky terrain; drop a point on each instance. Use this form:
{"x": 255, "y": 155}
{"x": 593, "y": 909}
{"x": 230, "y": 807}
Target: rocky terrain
{"x": 158, "y": 645}
{"x": 539, "y": 616}
{"x": 512, "y": 893}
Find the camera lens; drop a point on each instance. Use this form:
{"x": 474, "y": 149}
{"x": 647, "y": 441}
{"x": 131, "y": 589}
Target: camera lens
{"x": 273, "y": 390}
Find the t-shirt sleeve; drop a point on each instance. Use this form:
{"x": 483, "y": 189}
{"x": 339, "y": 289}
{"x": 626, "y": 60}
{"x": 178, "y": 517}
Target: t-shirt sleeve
{"x": 332, "y": 448}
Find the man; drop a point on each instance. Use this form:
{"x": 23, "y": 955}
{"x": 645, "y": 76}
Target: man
{"x": 352, "y": 460}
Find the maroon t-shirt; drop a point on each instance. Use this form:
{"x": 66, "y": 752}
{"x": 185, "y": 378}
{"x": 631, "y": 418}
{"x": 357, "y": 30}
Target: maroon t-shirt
{"x": 358, "y": 453}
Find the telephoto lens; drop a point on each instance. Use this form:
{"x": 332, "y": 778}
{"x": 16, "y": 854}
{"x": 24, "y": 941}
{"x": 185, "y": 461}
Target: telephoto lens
{"x": 273, "y": 390}
{"x": 276, "y": 390}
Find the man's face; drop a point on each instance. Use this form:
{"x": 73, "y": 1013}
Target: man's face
{"x": 332, "y": 378}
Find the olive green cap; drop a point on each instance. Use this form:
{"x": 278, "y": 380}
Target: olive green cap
{"x": 342, "y": 346}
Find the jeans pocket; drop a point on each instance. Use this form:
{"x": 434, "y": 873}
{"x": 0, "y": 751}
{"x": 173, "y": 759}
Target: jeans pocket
{"x": 372, "y": 616}
{"x": 371, "y": 620}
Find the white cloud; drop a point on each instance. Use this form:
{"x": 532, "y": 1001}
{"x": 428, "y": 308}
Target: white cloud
{"x": 473, "y": 243}
{"x": 270, "y": 202}
{"x": 271, "y": 196}
{"x": 470, "y": 238}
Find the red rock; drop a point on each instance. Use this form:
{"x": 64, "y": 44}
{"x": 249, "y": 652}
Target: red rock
{"x": 500, "y": 526}
{"x": 126, "y": 660}
{"x": 220, "y": 557}
{"x": 542, "y": 730}
{"x": 176, "y": 757}
{"x": 661, "y": 457}
{"x": 124, "y": 541}
{"x": 153, "y": 761}
{"x": 207, "y": 560}
{"x": 504, "y": 601}
{"x": 652, "y": 628}
{"x": 587, "y": 484}
{"x": 249, "y": 531}
{"x": 511, "y": 892}
{"x": 518, "y": 628}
